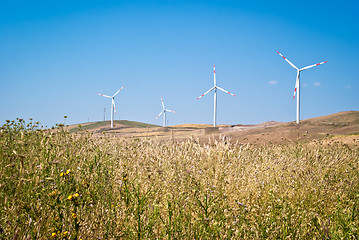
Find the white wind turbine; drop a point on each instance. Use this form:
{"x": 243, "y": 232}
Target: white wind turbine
{"x": 215, "y": 87}
{"x": 164, "y": 113}
{"x": 113, "y": 107}
{"x": 297, "y": 82}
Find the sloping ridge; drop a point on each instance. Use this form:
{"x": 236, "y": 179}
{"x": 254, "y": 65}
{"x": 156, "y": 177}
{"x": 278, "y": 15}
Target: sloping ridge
{"x": 341, "y": 123}
{"x": 337, "y": 124}
{"x": 348, "y": 117}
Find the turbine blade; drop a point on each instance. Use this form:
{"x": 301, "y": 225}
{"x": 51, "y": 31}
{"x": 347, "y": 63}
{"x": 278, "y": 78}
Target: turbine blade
{"x": 114, "y": 106}
{"x": 225, "y": 91}
{"x": 205, "y": 93}
{"x": 170, "y": 111}
{"x": 117, "y": 91}
{"x": 296, "y": 84}
{"x": 214, "y": 75}
{"x": 313, "y": 65}
{"x": 160, "y": 114}
{"x": 287, "y": 61}
{"x": 103, "y": 95}
{"x": 163, "y": 105}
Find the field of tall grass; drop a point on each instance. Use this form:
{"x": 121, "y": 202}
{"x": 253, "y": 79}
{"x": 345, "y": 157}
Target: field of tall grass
{"x": 57, "y": 185}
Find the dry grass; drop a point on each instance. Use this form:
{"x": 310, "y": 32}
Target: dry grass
{"x": 80, "y": 186}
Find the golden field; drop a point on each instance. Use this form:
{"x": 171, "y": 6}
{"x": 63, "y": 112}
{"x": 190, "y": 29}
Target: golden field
{"x": 57, "y": 185}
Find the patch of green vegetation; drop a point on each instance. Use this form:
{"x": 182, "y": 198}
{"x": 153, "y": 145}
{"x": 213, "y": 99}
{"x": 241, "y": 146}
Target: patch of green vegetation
{"x": 134, "y": 124}
{"x": 125, "y": 123}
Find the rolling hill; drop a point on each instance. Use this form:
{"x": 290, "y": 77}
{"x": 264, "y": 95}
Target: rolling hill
{"x": 105, "y": 126}
{"x": 342, "y": 126}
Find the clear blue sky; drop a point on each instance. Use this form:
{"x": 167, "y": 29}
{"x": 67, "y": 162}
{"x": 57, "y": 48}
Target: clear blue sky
{"x": 56, "y": 55}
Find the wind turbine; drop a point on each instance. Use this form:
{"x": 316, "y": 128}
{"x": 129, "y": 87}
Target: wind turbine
{"x": 215, "y": 87}
{"x": 164, "y": 113}
{"x": 297, "y": 82}
{"x": 113, "y": 107}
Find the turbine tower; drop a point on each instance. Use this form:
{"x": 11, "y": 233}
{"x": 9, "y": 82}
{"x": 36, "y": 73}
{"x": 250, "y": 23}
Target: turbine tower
{"x": 164, "y": 113}
{"x": 113, "y": 107}
{"x": 297, "y": 82}
{"x": 215, "y": 87}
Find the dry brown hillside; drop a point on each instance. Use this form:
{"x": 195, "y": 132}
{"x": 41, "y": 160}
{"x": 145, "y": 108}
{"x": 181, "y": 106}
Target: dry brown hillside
{"x": 335, "y": 126}
{"x": 342, "y": 126}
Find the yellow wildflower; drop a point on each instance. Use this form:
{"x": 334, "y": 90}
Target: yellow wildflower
{"x": 61, "y": 174}
{"x": 74, "y": 215}
{"x": 69, "y": 197}
{"x": 65, "y": 233}
{"x": 53, "y": 235}
{"x": 68, "y": 171}
{"x": 76, "y": 195}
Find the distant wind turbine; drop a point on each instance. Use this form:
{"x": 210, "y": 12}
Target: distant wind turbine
{"x": 113, "y": 107}
{"x": 164, "y": 113}
{"x": 215, "y": 87}
{"x": 297, "y": 82}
